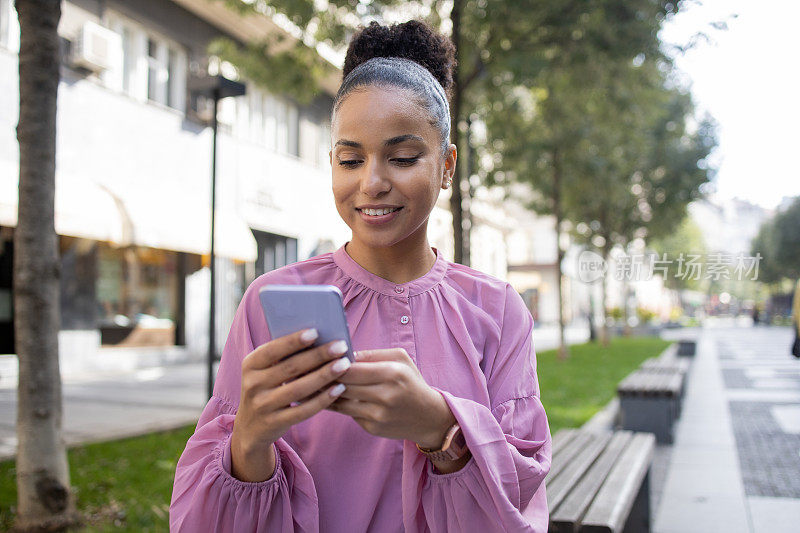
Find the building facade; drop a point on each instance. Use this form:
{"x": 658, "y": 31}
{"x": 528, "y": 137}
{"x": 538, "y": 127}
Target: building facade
{"x": 134, "y": 172}
{"x": 133, "y": 178}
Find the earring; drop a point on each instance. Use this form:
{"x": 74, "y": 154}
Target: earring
{"x": 447, "y": 184}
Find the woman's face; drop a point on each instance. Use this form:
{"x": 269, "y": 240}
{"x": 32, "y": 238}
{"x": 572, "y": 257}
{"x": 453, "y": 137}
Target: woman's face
{"x": 388, "y": 166}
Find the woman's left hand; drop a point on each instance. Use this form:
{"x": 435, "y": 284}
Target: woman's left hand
{"x": 388, "y": 397}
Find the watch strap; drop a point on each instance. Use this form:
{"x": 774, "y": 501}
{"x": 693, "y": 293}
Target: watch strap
{"x": 454, "y": 446}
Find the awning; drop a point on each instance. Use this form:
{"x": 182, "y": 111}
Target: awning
{"x": 182, "y": 228}
{"x": 90, "y": 210}
{"x": 83, "y": 209}
{"x": 87, "y": 210}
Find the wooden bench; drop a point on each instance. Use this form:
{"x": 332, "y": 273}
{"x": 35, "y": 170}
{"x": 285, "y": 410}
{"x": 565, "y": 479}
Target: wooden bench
{"x": 667, "y": 365}
{"x": 651, "y": 397}
{"x": 600, "y": 481}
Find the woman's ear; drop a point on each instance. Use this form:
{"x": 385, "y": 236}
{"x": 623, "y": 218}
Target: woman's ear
{"x": 449, "y": 167}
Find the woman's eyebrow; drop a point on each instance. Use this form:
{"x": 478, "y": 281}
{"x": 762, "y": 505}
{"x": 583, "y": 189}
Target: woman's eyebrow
{"x": 387, "y": 142}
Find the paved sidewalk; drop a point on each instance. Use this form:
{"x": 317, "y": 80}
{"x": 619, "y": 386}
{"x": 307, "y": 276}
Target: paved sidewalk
{"x": 118, "y": 405}
{"x": 735, "y": 463}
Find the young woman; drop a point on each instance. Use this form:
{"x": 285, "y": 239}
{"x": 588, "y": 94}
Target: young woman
{"x": 438, "y": 425}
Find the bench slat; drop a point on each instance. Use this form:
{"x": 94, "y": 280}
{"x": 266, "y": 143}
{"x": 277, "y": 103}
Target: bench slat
{"x": 613, "y": 502}
{"x": 572, "y": 472}
{"x": 561, "y": 438}
{"x": 561, "y": 442}
{"x": 568, "y": 452}
{"x": 651, "y": 382}
{"x": 568, "y": 515}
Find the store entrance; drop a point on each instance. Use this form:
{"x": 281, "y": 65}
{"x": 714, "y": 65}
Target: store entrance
{"x": 6, "y": 299}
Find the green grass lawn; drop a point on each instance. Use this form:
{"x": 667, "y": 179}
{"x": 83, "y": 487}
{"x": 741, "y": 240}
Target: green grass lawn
{"x": 123, "y": 485}
{"x": 575, "y": 389}
{"x": 126, "y": 485}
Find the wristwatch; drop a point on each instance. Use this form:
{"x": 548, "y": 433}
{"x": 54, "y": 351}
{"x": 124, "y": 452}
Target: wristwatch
{"x": 454, "y": 446}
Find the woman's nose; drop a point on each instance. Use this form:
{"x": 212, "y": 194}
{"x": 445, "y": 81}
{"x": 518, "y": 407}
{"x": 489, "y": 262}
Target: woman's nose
{"x": 374, "y": 181}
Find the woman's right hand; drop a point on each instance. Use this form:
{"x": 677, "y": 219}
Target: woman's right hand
{"x": 270, "y": 386}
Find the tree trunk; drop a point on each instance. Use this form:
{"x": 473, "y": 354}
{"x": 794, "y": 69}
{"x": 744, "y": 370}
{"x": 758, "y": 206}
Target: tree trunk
{"x": 563, "y": 351}
{"x": 44, "y": 498}
{"x": 460, "y": 235}
{"x": 604, "y": 336}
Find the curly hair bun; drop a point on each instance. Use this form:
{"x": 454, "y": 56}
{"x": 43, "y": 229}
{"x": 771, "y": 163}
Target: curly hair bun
{"x": 413, "y": 40}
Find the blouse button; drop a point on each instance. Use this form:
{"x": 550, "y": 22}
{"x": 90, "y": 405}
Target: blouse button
{"x": 404, "y": 319}
{"x": 398, "y": 290}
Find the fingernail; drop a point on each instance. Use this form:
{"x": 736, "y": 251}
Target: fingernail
{"x": 337, "y": 390}
{"x": 309, "y": 335}
{"x": 338, "y": 348}
{"x": 341, "y": 365}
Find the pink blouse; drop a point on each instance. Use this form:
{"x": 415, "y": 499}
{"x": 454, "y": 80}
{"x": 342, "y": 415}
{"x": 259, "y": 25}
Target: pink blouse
{"x": 469, "y": 334}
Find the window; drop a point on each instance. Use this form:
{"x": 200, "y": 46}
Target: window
{"x": 256, "y": 116}
{"x": 176, "y": 76}
{"x": 309, "y": 138}
{"x": 151, "y": 68}
{"x": 270, "y": 121}
{"x": 136, "y": 289}
{"x": 274, "y": 251}
{"x": 242, "y": 115}
{"x": 281, "y": 126}
{"x": 128, "y": 63}
{"x": 287, "y": 121}
{"x": 293, "y": 142}
{"x": 278, "y": 125}
{"x": 157, "y": 74}
{"x": 324, "y": 145}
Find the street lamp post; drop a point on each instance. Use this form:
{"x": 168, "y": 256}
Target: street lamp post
{"x": 215, "y": 88}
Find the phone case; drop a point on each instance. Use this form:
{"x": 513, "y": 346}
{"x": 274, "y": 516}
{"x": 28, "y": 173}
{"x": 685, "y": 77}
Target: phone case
{"x": 290, "y": 308}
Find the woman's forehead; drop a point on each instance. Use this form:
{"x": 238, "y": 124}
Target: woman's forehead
{"x": 376, "y": 112}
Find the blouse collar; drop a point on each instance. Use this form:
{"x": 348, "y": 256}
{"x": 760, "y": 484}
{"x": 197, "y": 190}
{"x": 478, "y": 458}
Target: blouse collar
{"x": 378, "y": 284}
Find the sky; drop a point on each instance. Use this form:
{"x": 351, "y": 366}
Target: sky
{"x": 748, "y": 78}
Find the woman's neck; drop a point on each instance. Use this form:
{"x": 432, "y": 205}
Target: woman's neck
{"x": 400, "y": 263}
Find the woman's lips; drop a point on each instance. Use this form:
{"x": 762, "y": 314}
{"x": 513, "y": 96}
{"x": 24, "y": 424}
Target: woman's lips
{"x": 378, "y": 219}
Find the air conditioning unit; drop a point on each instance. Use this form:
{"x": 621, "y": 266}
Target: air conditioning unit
{"x": 95, "y": 47}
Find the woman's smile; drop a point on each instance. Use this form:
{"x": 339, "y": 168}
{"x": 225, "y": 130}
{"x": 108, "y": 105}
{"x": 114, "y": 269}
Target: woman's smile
{"x": 378, "y": 215}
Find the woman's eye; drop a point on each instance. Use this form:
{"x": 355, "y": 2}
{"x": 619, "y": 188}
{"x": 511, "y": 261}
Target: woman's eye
{"x": 402, "y": 161}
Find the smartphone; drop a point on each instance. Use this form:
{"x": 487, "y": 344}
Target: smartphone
{"x": 290, "y": 308}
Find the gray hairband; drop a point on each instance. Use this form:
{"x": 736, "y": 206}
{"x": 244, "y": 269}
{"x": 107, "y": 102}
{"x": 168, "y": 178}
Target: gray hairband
{"x": 406, "y": 74}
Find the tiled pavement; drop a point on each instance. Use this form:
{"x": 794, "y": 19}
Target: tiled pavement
{"x": 735, "y": 463}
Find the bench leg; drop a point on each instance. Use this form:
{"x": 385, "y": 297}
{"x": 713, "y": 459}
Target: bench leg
{"x": 653, "y": 414}
{"x": 639, "y": 517}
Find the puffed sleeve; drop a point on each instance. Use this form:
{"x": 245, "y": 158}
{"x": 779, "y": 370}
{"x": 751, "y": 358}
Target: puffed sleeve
{"x": 501, "y": 488}
{"x": 205, "y": 496}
